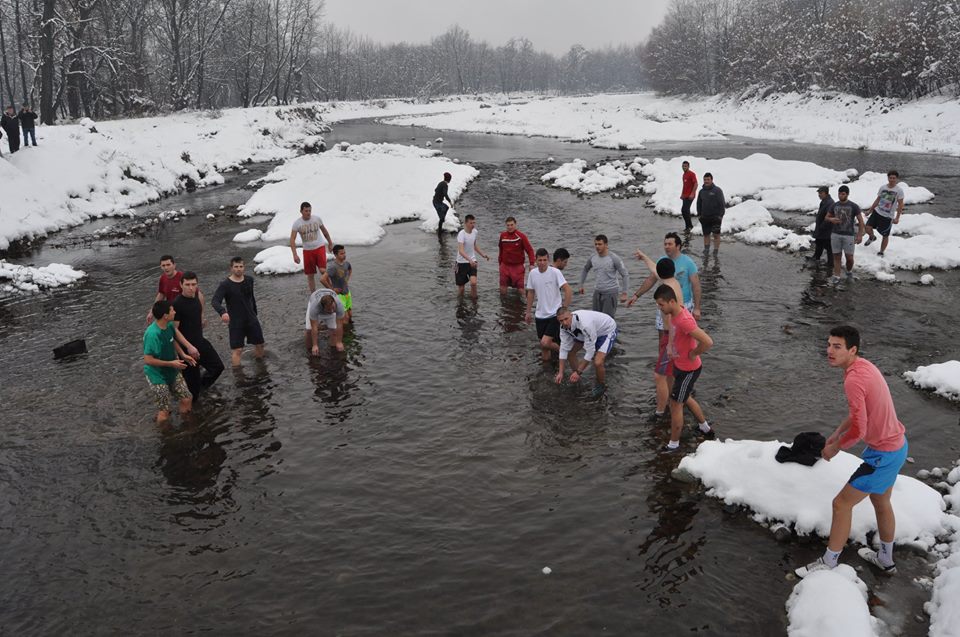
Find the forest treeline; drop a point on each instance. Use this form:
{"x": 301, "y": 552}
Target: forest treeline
{"x": 109, "y": 58}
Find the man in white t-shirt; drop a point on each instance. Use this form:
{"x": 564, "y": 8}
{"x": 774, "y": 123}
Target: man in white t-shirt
{"x": 552, "y": 292}
{"x": 467, "y": 251}
{"x": 310, "y": 229}
{"x": 886, "y": 209}
{"x": 324, "y": 307}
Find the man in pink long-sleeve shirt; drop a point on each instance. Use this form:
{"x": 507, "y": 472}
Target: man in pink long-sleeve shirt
{"x": 873, "y": 419}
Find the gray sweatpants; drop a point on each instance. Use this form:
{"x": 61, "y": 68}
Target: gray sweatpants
{"x": 606, "y": 301}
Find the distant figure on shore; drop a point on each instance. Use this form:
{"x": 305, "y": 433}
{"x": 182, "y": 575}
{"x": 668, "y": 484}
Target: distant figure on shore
{"x": 513, "y": 245}
{"x": 552, "y": 292}
{"x": 339, "y": 272}
{"x": 821, "y": 229}
{"x": 872, "y": 418}
{"x": 594, "y": 333}
{"x": 324, "y": 306}
{"x": 711, "y": 207}
{"x": 467, "y": 251}
{"x": 886, "y": 209}
{"x": 189, "y": 322}
{"x": 163, "y": 358}
{"x": 440, "y": 193}
{"x": 847, "y": 220}
{"x": 240, "y": 315}
{"x": 11, "y": 126}
{"x": 310, "y": 229}
{"x": 28, "y": 122}
{"x": 612, "y": 278}
{"x": 688, "y": 194}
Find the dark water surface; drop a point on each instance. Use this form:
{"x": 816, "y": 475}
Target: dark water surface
{"x": 419, "y": 485}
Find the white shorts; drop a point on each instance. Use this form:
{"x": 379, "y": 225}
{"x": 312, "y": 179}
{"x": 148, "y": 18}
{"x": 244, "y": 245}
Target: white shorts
{"x": 605, "y": 343}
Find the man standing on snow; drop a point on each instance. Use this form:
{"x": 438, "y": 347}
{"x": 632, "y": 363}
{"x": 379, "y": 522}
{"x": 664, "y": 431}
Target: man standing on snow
{"x": 688, "y": 194}
{"x": 439, "y": 194}
{"x": 710, "y": 208}
{"x": 513, "y": 246}
{"x": 28, "y": 122}
{"x": 11, "y": 126}
{"x": 821, "y": 229}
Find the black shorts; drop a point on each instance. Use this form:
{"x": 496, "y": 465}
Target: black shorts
{"x": 711, "y": 225}
{"x": 464, "y": 272}
{"x": 548, "y": 327}
{"x": 683, "y": 383}
{"x": 881, "y": 224}
{"x": 249, "y": 330}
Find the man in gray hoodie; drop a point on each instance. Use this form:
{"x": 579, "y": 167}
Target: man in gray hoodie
{"x": 612, "y": 278}
{"x": 710, "y": 208}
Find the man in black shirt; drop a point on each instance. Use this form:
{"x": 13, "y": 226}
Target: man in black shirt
{"x": 189, "y": 321}
{"x": 11, "y": 126}
{"x": 241, "y": 312}
{"x": 822, "y": 230}
{"x": 439, "y": 194}
{"x": 711, "y": 206}
{"x": 28, "y": 122}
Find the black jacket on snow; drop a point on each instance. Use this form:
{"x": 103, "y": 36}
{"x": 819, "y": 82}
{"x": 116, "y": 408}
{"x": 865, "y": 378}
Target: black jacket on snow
{"x": 710, "y": 202}
{"x": 27, "y": 120}
{"x": 822, "y": 229}
{"x": 10, "y": 124}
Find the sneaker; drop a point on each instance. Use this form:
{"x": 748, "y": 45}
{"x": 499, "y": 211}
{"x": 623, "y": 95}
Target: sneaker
{"x": 655, "y": 417}
{"x": 669, "y": 449}
{"x": 871, "y": 556}
{"x": 880, "y": 254}
{"x": 812, "y": 567}
{"x": 598, "y": 390}
{"x": 870, "y": 239}
{"x": 849, "y": 275}
{"x": 835, "y": 280}
{"x": 706, "y": 435}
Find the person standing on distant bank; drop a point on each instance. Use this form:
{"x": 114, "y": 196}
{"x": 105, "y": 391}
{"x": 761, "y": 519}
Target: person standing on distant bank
{"x": 28, "y": 122}
{"x": 440, "y": 193}
{"x": 189, "y": 322}
{"x": 873, "y": 419}
{"x": 886, "y": 209}
{"x": 11, "y": 126}
{"x": 612, "y": 278}
{"x": 310, "y": 229}
{"x": 163, "y": 359}
{"x": 467, "y": 251}
{"x": 688, "y": 194}
{"x": 552, "y": 292}
{"x": 847, "y": 220}
{"x": 711, "y": 207}
{"x": 514, "y": 245}
{"x": 339, "y": 272}
{"x": 240, "y": 315}
{"x": 821, "y": 229}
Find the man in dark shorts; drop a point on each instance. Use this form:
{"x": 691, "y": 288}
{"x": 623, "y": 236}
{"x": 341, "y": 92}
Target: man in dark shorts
{"x": 886, "y": 209}
{"x": 821, "y": 229}
{"x": 240, "y": 314}
{"x": 552, "y": 292}
{"x": 689, "y": 341}
{"x": 710, "y": 208}
{"x": 873, "y": 419}
{"x": 189, "y": 322}
{"x": 467, "y": 251}
{"x": 440, "y": 193}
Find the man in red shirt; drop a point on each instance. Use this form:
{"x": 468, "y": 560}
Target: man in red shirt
{"x": 873, "y": 419}
{"x": 169, "y": 286}
{"x": 513, "y": 245}
{"x": 689, "y": 193}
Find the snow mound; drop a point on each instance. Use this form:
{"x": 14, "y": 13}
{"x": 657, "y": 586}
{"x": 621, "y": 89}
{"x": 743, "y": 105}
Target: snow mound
{"x": 575, "y": 176}
{"x": 926, "y": 279}
{"x": 277, "y": 260}
{"x": 943, "y": 608}
{"x": 941, "y": 378}
{"x": 248, "y": 235}
{"x": 451, "y": 223}
{"x": 831, "y": 604}
{"x": 781, "y": 238}
{"x": 862, "y": 191}
{"x": 356, "y": 191}
{"x": 745, "y": 472}
{"x": 24, "y": 278}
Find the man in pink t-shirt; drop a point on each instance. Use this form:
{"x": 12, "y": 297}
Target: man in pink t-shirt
{"x": 873, "y": 419}
{"x": 688, "y": 342}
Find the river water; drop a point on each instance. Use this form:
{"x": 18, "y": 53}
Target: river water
{"x": 420, "y": 485}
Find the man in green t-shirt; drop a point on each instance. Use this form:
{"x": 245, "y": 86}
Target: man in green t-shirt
{"x": 163, "y": 358}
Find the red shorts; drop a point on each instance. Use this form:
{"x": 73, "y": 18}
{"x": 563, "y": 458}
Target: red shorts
{"x": 513, "y": 276}
{"x": 314, "y": 259}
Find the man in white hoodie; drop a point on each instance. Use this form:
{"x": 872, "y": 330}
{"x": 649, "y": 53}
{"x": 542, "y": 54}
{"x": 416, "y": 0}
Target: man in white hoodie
{"x": 594, "y": 333}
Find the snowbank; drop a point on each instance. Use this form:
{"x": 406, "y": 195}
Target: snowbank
{"x": 746, "y": 472}
{"x": 862, "y": 191}
{"x": 575, "y": 176}
{"x": 357, "y": 190}
{"x": 830, "y": 604}
{"x": 277, "y": 260}
{"x": 942, "y": 378}
{"x": 23, "y": 278}
{"x": 248, "y": 236}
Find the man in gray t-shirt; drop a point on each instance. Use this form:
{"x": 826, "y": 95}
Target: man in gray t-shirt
{"x": 848, "y": 228}
{"x": 325, "y": 307}
{"x": 612, "y": 278}
{"x": 887, "y": 208}
{"x": 310, "y": 228}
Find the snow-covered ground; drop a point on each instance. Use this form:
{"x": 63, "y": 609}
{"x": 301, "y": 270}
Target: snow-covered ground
{"x": 355, "y": 191}
{"x": 941, "y": 378}
{"x": 23, "y": 278}
{"x": 579, "y": 177}
{"x": 628, "y": 121}
{"x": 830, "y": 604}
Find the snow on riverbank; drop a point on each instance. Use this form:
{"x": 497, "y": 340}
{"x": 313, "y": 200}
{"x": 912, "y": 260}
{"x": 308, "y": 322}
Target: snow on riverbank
{"x": 941, "y": 378}
{"x": 862, "y": 191}
{"x": 576, "y": 175}
{"x": 830, "y": 604}
{"x": 24, "y": 278}
{"x": 943, "y": 608}
{"x": 355, "y": 191}
{"x": 631, "y": 120}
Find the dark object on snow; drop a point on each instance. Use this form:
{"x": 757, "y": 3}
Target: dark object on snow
{"x": 806, "y": 449}
{"x": 72, "y": 348}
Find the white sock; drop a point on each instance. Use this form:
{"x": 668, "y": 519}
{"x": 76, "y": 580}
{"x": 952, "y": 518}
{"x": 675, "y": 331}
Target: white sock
{"x": 705, "y": 426}
{"x": 673, "y": 444}
{"x": 831, "y": 558}
{"x": 659, "y": 413}
{"x": 885, "y": 554}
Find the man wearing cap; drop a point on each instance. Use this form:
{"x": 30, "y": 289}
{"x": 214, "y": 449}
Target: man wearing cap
{"x": 821, "y": 229}
{"x": 439, "y": 194}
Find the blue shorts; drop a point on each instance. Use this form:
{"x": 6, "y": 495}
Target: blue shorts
{"x": 879, "y": 469}
{"x": 605, "y": 343}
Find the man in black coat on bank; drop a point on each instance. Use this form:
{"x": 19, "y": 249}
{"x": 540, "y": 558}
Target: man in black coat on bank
{"x": 28, "y": 122}
{"x": 822, "y": 230}
{"x": 11, "y": 127}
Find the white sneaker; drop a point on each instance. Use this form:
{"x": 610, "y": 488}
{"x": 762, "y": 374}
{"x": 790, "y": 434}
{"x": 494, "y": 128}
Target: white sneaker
{"x": 812, "y": 567}
{"x": 871, "y": 556}
{"x": 835, "y": 280}
{"x": 849, "y": 275}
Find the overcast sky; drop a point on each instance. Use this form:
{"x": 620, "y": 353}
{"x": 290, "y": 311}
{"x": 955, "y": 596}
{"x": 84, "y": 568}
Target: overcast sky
{"x": 552, "y": 25}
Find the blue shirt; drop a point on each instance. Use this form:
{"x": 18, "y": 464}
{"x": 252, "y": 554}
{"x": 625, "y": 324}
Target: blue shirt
{"x": 685, "y": 268}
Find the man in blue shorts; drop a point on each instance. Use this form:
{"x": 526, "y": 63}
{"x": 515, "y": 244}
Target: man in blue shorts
{"x": 594, "y": 333}
{"x": 873, "y": 419}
